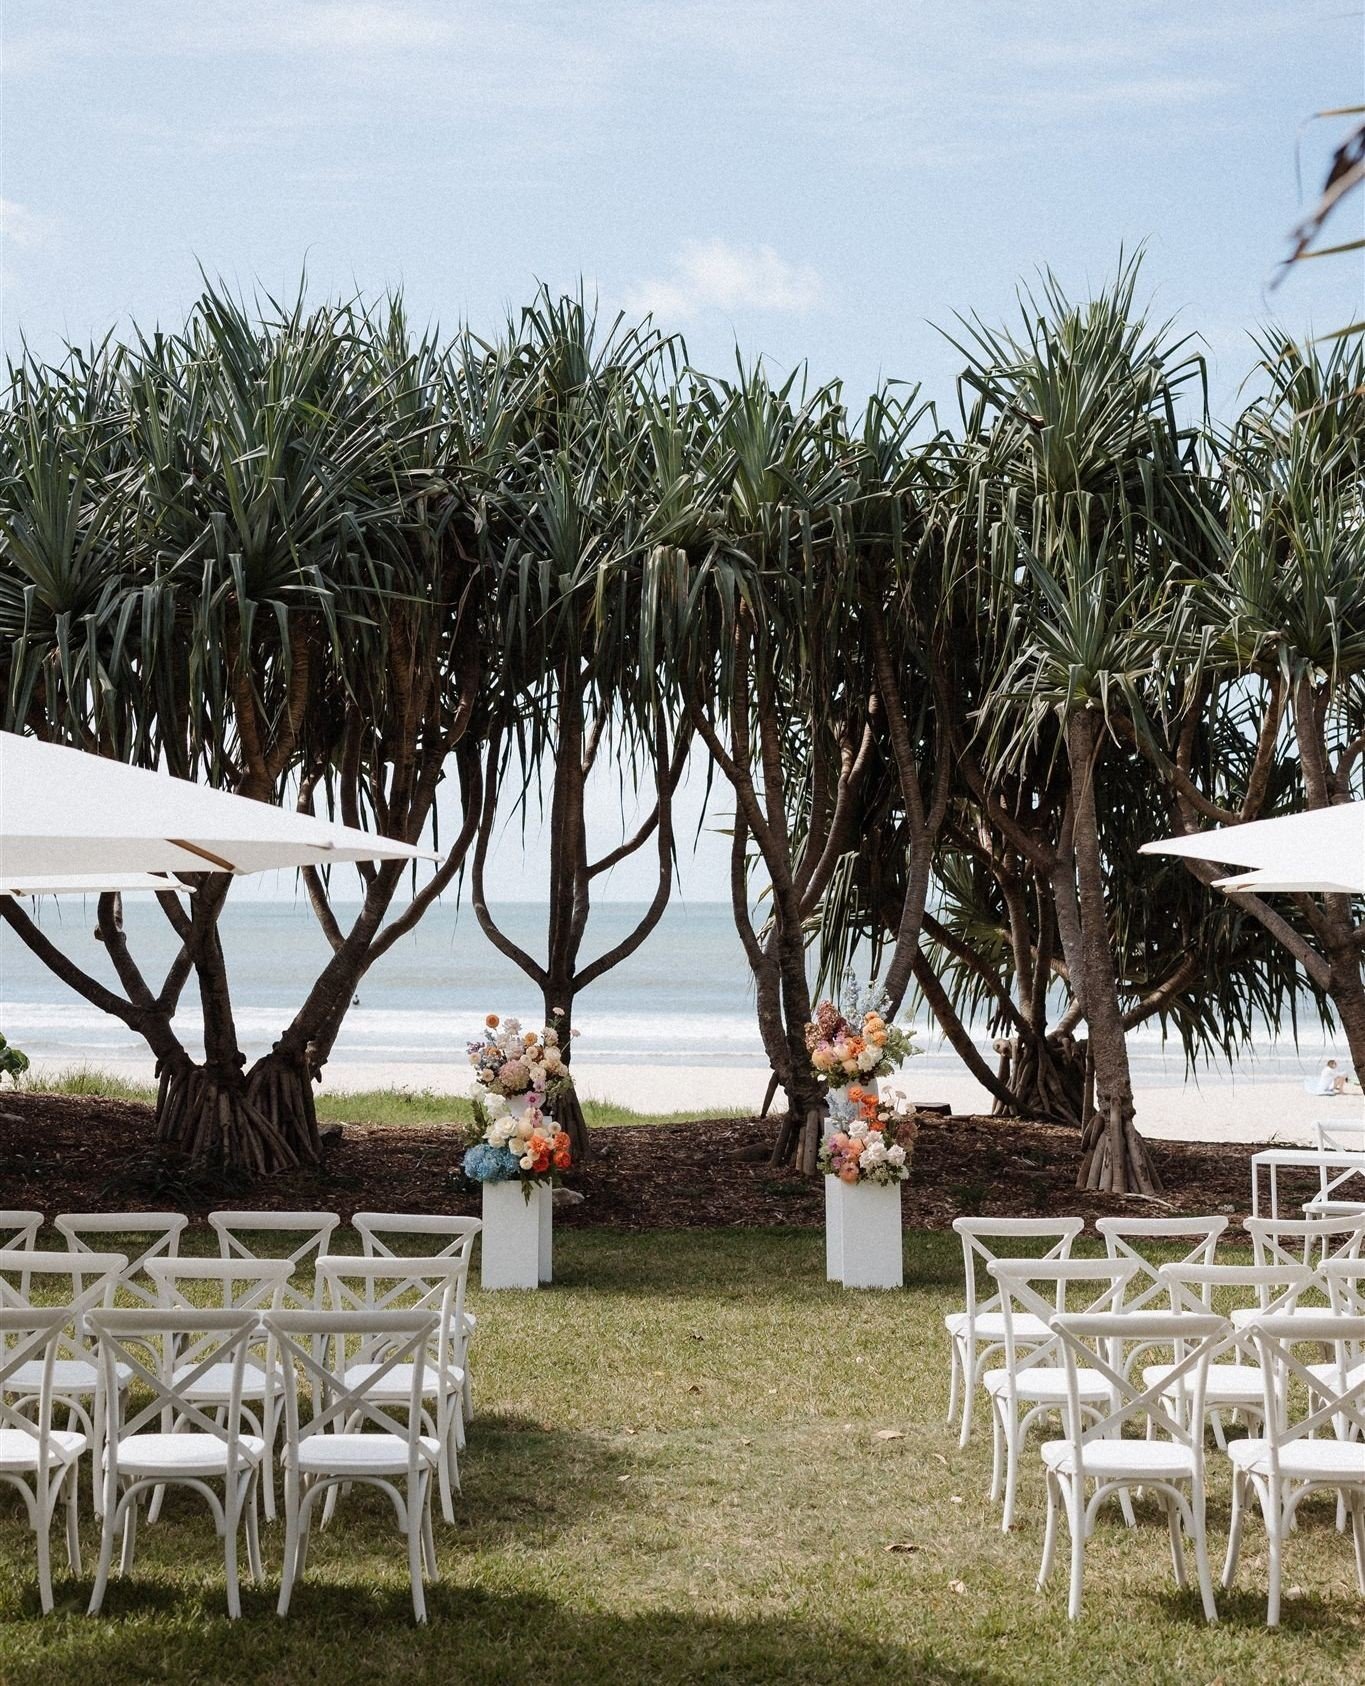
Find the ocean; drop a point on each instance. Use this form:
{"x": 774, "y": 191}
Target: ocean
{"x": 683, "y": 1000}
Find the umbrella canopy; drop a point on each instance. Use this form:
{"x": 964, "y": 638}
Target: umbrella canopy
{"x": 1264, "y": 880}
{"x": 1320, "y": 850}
{"x": 66, "y": 813}
{"x": 87, "y": 884}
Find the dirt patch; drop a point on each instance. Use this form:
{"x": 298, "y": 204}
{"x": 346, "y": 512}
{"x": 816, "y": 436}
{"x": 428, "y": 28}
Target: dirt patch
{"x": 63, "y": 1153}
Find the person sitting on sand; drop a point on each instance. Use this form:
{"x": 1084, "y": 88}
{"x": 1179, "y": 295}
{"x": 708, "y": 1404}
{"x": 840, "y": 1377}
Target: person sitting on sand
{"x": 1331, "y": 1079}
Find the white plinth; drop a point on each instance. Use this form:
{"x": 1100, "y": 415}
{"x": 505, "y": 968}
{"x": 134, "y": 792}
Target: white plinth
{"x": 867, "y": 1217}
{"x": 834, "y": 1243}
{"x": 517, "y": 1236}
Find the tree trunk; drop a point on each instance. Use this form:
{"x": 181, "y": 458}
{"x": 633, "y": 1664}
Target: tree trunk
{"x": 217, "y": 1117}
{"x": 1114, "y": 1156}
{"x": 567, "y": 1109}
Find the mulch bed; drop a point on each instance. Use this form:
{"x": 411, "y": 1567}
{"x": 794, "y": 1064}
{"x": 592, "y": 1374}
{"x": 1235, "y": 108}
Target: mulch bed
{"x": 63, "y": 1153}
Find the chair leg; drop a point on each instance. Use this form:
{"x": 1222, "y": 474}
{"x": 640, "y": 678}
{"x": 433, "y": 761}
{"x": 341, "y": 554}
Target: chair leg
{"x": 232, "y": 1522}
{"x": 253, "y": 1526}
{"x": 416, "y": 1500}
{"x": 108, "y": 1523}
{"x": 126, "y": 1555}
{"x": 1182, "y": 1580}
{"x": 429, "y": 1543}
{"x": 1234, "y": 1529}
{"x": 1050, "y": 1532}
{"x": 1013, "y": 1451}
{"x": 952, "y": 1378}
{"x": 291, "y": 1541}
{"x": 968, "y": 1397}
{"x": 42, "y": 1508}
{"x": 1275, "y": 1531}
{"x": 1357, "y": 1512}
{"x": 73, "y": 1521}
{"x": 1076, "y": 1519}
{"x": 997, "y": 1450}
{"x": 1201, "y": 1553}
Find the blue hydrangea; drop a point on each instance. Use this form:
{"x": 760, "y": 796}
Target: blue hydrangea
{"x": 484, "y": 1163}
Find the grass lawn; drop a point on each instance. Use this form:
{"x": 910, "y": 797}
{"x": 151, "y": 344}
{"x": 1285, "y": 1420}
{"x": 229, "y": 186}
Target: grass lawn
{"x": 354, "y": 1106}
{"x": 675, "y": 1476}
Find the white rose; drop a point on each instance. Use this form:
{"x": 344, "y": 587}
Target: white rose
{"x": 868, "y": 1058}
{"x": 895, "y": 1156}
{"x": 527, "y": 1162}
{"x": 550, "y": 1037}
{"x": 554, "y": 1061}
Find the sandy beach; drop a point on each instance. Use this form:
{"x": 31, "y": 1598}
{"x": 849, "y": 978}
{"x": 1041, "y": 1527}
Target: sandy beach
{"x": 1221, "y": 1108}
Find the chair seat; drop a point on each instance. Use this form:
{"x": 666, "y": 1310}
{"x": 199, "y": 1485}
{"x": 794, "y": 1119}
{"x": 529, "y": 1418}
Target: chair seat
{"x": 1151, "y": 1460}
{"x": 1315, "y": 1460}
{"x": 70, "y": 1377}
{"x": 1331, "y": 1376}
{"x": 19, "y": 1450}
{"x": 182, "y": 1454}
{"x": 1228, "y": 1384}
{"x": 1043, "y": 1382}
{"x": 1242, "y": 1315}
{"x": 395, "y": 1386}
{"x": 214, "y": 1386}
{"x": 990, "y": 1326}
{"x": 360, "y": 1454}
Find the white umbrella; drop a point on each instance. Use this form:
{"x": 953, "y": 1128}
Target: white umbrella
{"x": 1321, "y": 849}
{"x": 1263, "y": 880}
{"x": 65, "y": 813}
{"x": 87, "y": 884}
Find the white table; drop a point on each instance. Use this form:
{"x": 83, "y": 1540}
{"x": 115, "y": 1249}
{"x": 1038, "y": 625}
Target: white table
{"x": 1271, "y": 1160}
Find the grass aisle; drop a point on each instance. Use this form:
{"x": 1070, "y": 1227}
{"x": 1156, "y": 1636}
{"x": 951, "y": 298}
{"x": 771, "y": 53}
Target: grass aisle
{"x": 675, "y": 1476}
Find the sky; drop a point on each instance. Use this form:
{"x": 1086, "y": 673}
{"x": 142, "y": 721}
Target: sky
{"x": 820, "y": 184}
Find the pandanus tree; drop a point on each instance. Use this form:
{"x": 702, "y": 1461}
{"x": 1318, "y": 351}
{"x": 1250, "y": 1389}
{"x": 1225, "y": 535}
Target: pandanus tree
{"x": 1273, "y": 644}
{"x": 269, "y": 618}
{"x": 580, "y": 694}
{"x": 749, "y": 614}
{"x": 1082, "y": 464}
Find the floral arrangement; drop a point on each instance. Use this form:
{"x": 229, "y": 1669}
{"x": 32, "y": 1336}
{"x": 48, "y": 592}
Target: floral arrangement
{"x": 509, "y": 1142}
{"x": 507, "y": 1145}
{"x": 856, "y": 1039}
{"x": 875, "y": 1145}
{"x": 510, "y": 1061}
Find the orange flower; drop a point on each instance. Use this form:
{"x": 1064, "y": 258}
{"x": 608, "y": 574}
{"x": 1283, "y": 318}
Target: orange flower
{"x": 856, "y": 1092}
{"x": 561, "y": 1141}
{"x": 542, "y": 1162}
{"x": 492, "y": 1021}
{"x": 562, "y": 1160}
{"x": 530, "y": 1039}
{"x": 849, "y": 1174}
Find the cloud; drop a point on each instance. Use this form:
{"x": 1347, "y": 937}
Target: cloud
{"x": 21, "y": 227}
{"x": 715, "y": 275}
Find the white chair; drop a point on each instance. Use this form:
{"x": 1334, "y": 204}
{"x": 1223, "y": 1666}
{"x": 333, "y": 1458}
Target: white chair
{"x": 982, "y": 1323}
{"x": 1169, "y": 1462}
{"x": 1345, "y": 1279}
{"x": 1033, "y": 1382}
{"x": 1130, "y": 1238}
{"x": 309, "y": 1232}
{"x": 81, "y": 1280}
{"x": 379, "y": 1231}
{"x": 351, "y": 1437}
{"x": 1308, "y": 1241}
{"x": 1301, "y": 1449}
{"x": 19, "y": 1228}
{"x": 41, "y": 1462}
{"x": 255, "y": 1285}
{"x": 168, "y": 1352}
{"x": 1237, "y": 1384}
{"x": 159, "y": 1231}
{"x": 411, "y": 1284}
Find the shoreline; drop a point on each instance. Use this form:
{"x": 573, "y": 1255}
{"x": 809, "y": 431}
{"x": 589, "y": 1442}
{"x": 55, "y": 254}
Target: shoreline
{"x": 1232, "y": 1109}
